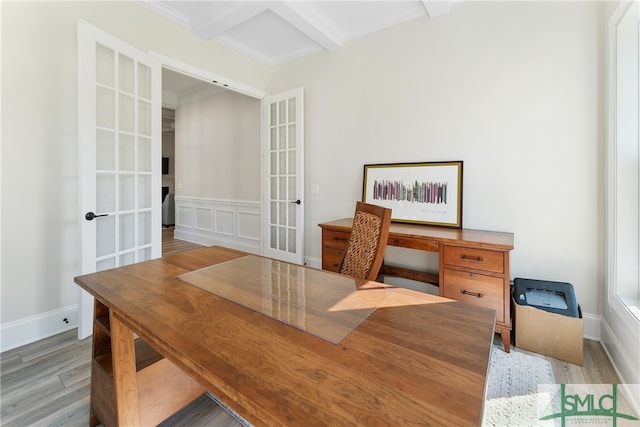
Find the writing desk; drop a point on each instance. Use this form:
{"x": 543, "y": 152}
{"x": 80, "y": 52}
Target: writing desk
{"x": 416, "y": 359}
{"x": 473, "y": 264}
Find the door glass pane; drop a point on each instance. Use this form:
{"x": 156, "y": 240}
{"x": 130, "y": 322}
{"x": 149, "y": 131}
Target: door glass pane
{"x": 105, "y": 235}
{"x": 274, "y": 212}
{"x": 126, "y": 113}
{"x": 292, "y": 136}
{"x": 144, "y": 228}
{"x": 105, "y": 66}
{"x": 274, "y": 187}
{"x": 273, "y": 241}
{"x": 126, "y": 232}
{"x": 282, "y": 239}
{"x": 292, "y": 110}
{"x": 292, "y": 214}
{"x": 105, "y": 193}
{"x": 292, "y": 189}
{"x": 127, "y": 78}
{"x": 274, "y": 138}
{"x": 144, "y": 118}
{"x": 144, "y": 191}
{"x": 144, "y": 254}
{"x": 127, "y": 258}
{"x": 282, "y": 112}
{"x": 105, "y": 150}
{"x": 127, "y": 192}
{"x": 292, "y": 240}
{"x": 292, "y": 163}
{"x": 273, "y": 114}
{"x": 282, "y": 137}
{"x": 106, "y": 264}
{"x": 282, "y": 163}
{"x": 144, "y": 154}
{"x": 282, "y": 190}
{"x": 144, "y": 81}
{"x": 126, "y": 153}
{"x": 105, "y": 108}
{"x": 282, "y": 213}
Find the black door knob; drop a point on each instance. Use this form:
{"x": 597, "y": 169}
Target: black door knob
{"x": 90, "y": 215}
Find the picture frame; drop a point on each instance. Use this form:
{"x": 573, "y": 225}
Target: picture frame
{"x": 420, "y": 193}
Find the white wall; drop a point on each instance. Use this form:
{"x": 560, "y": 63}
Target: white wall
{"x": 40, "y": 211}
{"x": 514, "y": 89}
{"x": 218, "y": 147}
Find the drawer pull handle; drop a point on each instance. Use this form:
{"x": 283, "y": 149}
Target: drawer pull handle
{"x": 473, "y": 294}
{"x": 340, "y": 239}
{"x": 471, "y": 258}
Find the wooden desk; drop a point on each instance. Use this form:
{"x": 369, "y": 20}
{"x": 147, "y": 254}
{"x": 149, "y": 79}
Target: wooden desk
{"x": 473, "y": 264}
{"x": 390, "y": 370}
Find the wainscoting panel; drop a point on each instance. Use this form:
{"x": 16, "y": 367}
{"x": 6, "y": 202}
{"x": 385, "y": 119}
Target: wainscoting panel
{"x": 248, "y": 224}
{"x": 203, "y": 219}
{"x": 225, "y": 221}
{"x": 230, "y": 223}
{"x": 184, "y": 216}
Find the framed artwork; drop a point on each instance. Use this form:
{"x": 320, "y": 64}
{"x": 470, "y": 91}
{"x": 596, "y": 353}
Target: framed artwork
{"x": 421, "y": 193}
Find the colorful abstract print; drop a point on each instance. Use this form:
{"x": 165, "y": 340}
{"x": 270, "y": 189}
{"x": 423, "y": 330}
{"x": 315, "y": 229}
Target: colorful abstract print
{"x": 417, "y": 192}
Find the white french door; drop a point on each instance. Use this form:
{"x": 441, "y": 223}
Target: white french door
{"x": 283, "y": 179}
{"x": 119, "y": 111}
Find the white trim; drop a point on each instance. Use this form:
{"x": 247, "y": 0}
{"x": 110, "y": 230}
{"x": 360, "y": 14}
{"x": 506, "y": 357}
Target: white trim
{"x": 313, "y": 262}
{"x": 34, "y": 328}
{"x": 592, "y": 326}
{"x": 208, "y": 77}
{"x": 610, "y": 164}
{"x": 166, "y": 11}
{"x": 620, "y": 361}
{"x": 232, "y": 230}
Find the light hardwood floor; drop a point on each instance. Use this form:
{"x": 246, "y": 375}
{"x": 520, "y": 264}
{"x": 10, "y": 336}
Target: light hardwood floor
{"x": 46, "y": 383}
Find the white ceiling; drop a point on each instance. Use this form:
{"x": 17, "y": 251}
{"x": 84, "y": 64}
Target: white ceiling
{"x": 278, "y": 31}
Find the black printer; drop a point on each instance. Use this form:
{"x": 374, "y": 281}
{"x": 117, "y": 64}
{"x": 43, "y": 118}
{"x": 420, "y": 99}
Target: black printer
{"x": 554, "y": 297}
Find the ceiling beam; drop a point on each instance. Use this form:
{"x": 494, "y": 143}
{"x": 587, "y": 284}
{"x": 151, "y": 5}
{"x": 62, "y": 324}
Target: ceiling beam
{"x": 307, "y": 21}
{"x": 437, "y": 8}
{"x": 220, "y": 17}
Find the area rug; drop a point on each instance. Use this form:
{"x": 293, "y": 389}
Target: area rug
{"x": 512, "y": 389}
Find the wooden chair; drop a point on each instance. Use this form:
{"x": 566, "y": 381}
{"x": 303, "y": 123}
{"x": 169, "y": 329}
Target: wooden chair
{"x": 367, "y": 243}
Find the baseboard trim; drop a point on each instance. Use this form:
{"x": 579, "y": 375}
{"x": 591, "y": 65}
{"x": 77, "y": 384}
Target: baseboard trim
{"x": 313, "y": 262}
{"x": 592, "y": 326}
{"x": 210, "y": 239}
{"x": 34, "y": 328}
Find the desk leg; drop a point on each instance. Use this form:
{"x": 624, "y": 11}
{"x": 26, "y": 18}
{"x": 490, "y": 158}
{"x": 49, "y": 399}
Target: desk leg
{"x": 124, "y": 373}
{"x": 506, "y": 339}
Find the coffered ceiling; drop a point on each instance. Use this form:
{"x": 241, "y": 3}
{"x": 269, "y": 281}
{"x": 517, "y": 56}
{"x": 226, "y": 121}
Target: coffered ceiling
{"x": 274, "y": 32}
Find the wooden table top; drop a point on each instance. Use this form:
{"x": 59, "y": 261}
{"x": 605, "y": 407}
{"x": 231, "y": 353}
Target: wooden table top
{"x": 417, "y": 359}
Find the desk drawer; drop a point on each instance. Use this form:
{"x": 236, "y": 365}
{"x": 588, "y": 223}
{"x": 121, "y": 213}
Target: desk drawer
{"x": 331, "y": 258}
{"x": 479, "y": 259}
{"x": 475, "y": 289}
{"x": 412, "y": 243}
{"x": 335, "y": 239}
